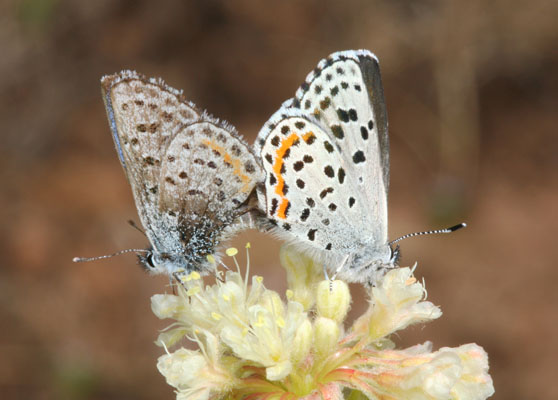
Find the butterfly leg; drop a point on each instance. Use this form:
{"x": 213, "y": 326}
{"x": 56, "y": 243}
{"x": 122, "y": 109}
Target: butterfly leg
{"x": 177, "y": 278}
{"x": 340, "y": 267}
{"x": 326, "y": 276}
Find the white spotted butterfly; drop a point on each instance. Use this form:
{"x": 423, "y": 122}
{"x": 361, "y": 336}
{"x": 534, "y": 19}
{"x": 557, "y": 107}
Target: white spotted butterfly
{"x": 326, "y": 157}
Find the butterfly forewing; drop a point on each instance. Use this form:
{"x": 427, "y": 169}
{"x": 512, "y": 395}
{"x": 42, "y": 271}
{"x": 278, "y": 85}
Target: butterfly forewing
{"x": 144, "y": 115}
{"x": 345, "y": 94}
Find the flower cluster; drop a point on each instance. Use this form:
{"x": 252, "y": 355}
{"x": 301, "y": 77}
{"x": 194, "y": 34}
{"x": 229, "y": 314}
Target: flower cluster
{"x": 255, "y": 345}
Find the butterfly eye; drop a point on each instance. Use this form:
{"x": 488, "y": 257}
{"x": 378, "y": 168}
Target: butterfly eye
{"x": 147, "y": 261}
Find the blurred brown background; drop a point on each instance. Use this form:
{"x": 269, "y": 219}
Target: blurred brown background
{"x": 471, "y": 91}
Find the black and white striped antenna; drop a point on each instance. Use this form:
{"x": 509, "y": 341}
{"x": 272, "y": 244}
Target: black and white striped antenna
{"x": 86, "y": 259}
{"x": 447, "y": 230}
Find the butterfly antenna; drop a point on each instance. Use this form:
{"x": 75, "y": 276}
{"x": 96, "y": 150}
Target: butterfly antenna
{"x": 86, "y": 259}
{"x": 134, "y": 225}
{"x": 447, "y": 230}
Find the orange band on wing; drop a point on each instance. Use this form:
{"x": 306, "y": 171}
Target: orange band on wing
{"x": 235, "y": 162}
{"x": 277, "y": 166}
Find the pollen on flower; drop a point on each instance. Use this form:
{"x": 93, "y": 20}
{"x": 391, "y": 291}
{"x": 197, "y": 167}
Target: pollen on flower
{"x": 255, "y": 344}
{"x": 248, "y": 245}
{"x": 193, "y": 291}
{"x": 211, "y": 258}
{"x": 194, "y": 275}
{"x": 231, "y": 251}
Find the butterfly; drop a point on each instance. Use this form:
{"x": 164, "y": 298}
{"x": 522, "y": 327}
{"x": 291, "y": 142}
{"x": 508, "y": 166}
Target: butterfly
{"x": 192, "y": 176}
{"x": 325, "y": 153}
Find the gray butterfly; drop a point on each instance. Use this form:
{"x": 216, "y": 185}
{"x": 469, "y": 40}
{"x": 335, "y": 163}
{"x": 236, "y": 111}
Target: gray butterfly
{"x": 192, "y": 177}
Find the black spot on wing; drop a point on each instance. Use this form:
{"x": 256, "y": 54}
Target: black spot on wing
{"x": 312, "y": 234}
{"x": 325, "y": 192}
{"x": 287, "y": 209}
{"x": 341, "y": 175}
{"x": 328, "y": 146}
{"x": 337, "y": 131}
{"x": 343, "y": 115}
{"x": 364, "y": 132}
{"x": 358, "y": 157}
{"x": 274, "y": 205}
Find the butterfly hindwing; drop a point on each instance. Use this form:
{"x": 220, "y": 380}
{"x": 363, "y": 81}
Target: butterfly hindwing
{"x": 309, "y": 193}
{"x": 207, "y": 176}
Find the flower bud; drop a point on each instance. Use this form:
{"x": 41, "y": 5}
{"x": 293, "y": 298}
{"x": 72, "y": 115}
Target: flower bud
{"x": 326, "y": 335}
{"x": 333, "y": 300}
{"x": 302, "y": 342}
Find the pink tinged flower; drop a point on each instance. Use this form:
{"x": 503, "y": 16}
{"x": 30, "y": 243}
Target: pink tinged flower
{"x": 255, "y": 345}
{"x": 416, "y": 373}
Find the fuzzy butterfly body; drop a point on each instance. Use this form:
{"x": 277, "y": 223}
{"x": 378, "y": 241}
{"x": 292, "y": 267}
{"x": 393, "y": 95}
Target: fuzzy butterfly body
{"x": 192, "y": 176}
{"x": 326, "y": 158}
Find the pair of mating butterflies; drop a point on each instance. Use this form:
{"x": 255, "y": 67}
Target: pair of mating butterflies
{"x": 317, "y": 175}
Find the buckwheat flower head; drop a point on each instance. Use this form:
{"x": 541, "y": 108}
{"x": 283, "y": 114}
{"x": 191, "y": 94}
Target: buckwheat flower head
{"x": 254, "y": 343}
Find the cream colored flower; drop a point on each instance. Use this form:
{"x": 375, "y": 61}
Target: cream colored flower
{"x": 255, "y": 344}
{"x": 198, "y": 374}
{"x": 397, "y": 302}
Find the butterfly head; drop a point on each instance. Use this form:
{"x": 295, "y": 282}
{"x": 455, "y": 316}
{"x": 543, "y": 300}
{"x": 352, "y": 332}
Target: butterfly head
{"x": 370, "y": 263}
{"x": 162, "y": 263}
